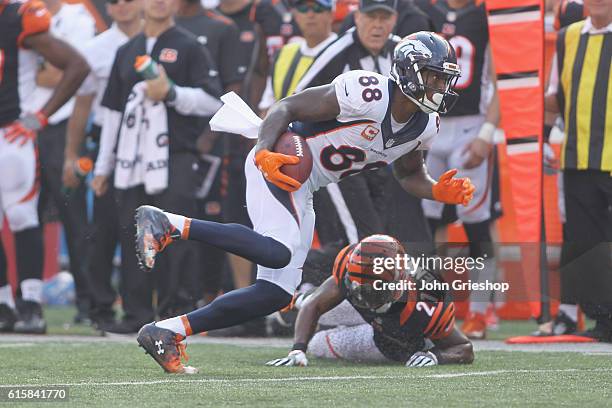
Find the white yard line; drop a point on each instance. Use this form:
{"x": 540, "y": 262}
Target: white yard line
{"x": 314, "y": 378}
{"x": 479, "y": 345}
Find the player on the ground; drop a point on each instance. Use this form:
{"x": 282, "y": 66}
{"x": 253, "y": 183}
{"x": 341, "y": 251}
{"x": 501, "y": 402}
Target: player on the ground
{"x": 24, "y": 30}
{"x": 361, "y": 121}
{"x": 413, "y": 327}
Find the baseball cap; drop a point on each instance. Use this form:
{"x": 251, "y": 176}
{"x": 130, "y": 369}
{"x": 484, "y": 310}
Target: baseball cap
{"x": 371, "y": 5}
{"x": 324, "y": 3}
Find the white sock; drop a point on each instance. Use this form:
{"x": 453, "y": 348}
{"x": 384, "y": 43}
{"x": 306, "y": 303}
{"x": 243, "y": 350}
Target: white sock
{"x": 6, "y": 296}
{"x": 175, "y": 324}
{"x": 177, "y": 220}
{"x": 31, "y": 289}
{"x": 570, "y": 310}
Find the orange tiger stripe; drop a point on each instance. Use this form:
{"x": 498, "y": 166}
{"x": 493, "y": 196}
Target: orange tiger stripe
{"x": 340, "y": 263}
{"x": 435, "y": 317}
{"x": 443, "y": 321}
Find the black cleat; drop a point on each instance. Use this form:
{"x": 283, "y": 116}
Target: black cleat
{"x": 7, "y": 318}
{"x": 601, "y": 332}
{"x": 563, "y": 324}
{"x": 166, "y": 348}
{"x": 153, "y": 233}
{"x": 30, "y": 319}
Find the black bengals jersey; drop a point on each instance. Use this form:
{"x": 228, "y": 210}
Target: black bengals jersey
{"x": 401, "y": 331}
{"x": 248, "y": 36}
{"x": 568, "y": 12}
{"x": 467, "y": 30}
{"x": 276, "y": 22}
{"x": 18, "y": 20}
{"x": 236, "y": 146}
{"x": 220, "y": 36}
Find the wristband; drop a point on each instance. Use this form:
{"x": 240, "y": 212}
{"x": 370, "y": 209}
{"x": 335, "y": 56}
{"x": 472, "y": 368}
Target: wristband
{"x": 171, "y": 97}
{"x": 487, "y": 132}
{"x": 34, "y": 121}
{"x": 42, "y": 119}
{"x": 299, "y": 346}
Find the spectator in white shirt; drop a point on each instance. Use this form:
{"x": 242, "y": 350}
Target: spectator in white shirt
{"x": 73, "y": 24}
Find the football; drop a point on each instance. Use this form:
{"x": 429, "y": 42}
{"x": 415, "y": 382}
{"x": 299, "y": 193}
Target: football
{"x": 294, "y": 145}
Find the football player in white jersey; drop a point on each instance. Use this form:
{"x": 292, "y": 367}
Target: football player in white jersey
{"x": 359, "y": 122}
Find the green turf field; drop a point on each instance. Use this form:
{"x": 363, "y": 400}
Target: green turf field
{"x": 119, "y": 374}
{"x": 114, "y": 372}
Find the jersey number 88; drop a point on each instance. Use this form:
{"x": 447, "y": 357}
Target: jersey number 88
{"x": 370, "y": 94}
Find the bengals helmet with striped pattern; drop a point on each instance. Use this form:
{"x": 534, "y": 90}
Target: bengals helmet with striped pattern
{"x": 356, "y": 265}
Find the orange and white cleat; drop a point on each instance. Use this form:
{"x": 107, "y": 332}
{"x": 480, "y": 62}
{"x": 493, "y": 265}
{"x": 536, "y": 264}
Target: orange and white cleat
{"x": 166, "y": 347}
{"x": 154, "y": 232}
{"x": 475, "y": 326}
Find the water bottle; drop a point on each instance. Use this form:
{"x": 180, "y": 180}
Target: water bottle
{"x": 82, "y": 167}
{"x": 146, "y": 67}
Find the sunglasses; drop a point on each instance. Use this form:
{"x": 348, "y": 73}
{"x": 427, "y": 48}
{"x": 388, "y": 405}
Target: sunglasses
{"x": 117, "y": 1}
{"x": 315, "y": 7}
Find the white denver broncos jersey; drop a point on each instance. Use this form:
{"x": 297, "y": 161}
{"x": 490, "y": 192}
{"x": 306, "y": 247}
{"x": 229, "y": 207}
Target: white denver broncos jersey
{"x": 362, "y": 136}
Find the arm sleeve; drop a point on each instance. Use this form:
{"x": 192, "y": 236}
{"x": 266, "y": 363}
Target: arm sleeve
{"x": 358, "y": 101}
{"x": 194, "y": 101}
{"x": 105, "y": 163}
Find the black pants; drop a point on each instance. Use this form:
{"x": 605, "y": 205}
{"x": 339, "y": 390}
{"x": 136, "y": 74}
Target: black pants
{"x": 587, "y": 267}
{"x": 105, "y": 238}
{"x": 72, "y": 208}
{"x": 174, "y": 267}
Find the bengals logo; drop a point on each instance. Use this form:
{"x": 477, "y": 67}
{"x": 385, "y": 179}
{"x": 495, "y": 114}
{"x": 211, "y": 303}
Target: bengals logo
{"x": 247, "y": 36}
{"x": 369, "y": 133}
{"x": 168, "y": 55}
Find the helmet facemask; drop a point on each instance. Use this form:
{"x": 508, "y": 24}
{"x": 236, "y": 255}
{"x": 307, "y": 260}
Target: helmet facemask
{"x": 366, "y": 284}
{"x": 364, "y": 296}
{"x": 420, "y": 87}
{"x": 425, "y": 69}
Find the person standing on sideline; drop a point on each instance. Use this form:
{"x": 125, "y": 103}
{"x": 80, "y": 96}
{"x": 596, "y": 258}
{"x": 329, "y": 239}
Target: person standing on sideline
{"x": 152, "y": 118}
{"x": 583, "y": 95}
{"x": 24, "y": 38}
{"x": 100, "y": 54}
{"x": 66, "y": 20}
{"x": 466, "y": 139}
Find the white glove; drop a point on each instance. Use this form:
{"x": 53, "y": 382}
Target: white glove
{"x": 295, "y": 358}
{"x": 422, "y": 359}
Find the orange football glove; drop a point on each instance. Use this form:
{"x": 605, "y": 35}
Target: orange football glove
{"x": 269, "y": 163}
{"x": 25, "y": 128}
{"x": 453, "y": 191}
